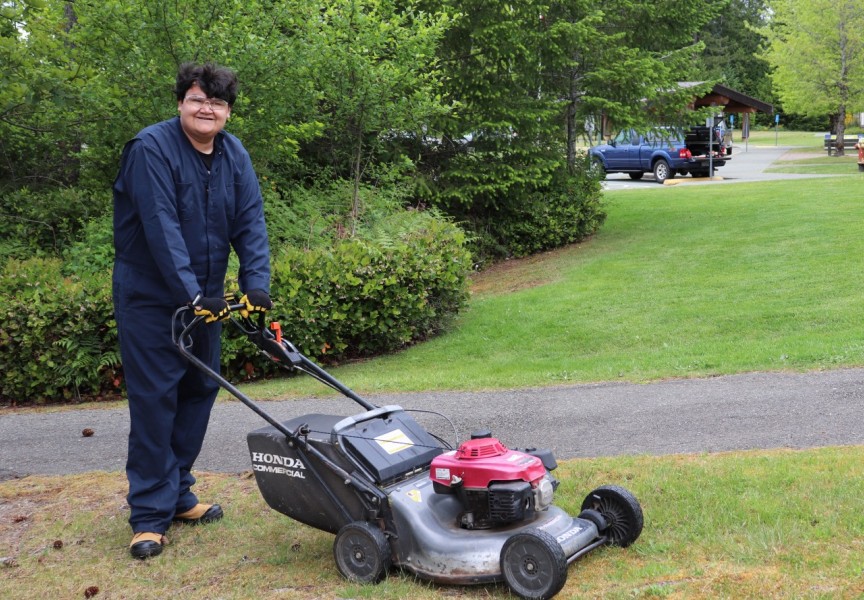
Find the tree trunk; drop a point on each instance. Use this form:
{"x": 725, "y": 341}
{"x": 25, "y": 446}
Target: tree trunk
{"x": 571, "y": 137}
{"x": 841, "y": 130}
{"x": 355, "y": 191}
{"x": 570, "y": 117}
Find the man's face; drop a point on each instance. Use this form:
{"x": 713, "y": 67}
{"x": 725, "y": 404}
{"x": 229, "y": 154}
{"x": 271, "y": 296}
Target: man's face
{"x": 200, "y": 122}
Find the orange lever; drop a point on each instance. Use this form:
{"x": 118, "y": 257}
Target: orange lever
{"x": 276, "y": 328}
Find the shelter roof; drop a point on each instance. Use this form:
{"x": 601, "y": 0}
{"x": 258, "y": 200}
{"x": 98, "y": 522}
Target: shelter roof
{"x": 730, "y": 100}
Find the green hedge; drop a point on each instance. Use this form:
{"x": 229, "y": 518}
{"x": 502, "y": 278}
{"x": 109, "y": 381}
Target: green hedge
{"x": 358, "y": 298}
{"x": 45, "y": 222}
{"x": 567, "y": 212}
{"x": 531, "y": 220}
{"x": 58, "y": 338}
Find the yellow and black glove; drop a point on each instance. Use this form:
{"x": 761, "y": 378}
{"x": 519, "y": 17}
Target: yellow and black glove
{"x": 213, "y": 309}
{"x": 256, "y": 301}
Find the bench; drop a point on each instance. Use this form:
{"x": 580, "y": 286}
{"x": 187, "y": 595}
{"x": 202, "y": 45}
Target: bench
{"x": 849, "y": 142}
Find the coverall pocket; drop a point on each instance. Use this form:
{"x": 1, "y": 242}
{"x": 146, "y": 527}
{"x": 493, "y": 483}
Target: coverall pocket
{"x": 185, "y": 200}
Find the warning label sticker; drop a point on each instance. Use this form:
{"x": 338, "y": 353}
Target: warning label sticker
{"x": 394, "y": 441}
{"x": 443, "y": 474}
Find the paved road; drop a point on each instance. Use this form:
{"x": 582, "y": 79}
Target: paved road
{"x": 759, "y": 410}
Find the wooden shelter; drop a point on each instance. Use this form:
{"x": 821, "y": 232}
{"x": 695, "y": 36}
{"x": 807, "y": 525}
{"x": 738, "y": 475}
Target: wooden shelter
{"x": 728, "y": 100}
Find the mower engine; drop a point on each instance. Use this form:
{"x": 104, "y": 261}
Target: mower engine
{"x": 495, "y": 485}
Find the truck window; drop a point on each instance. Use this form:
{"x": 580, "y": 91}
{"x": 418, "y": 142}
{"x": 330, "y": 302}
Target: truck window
{"x": 624, "y": 137}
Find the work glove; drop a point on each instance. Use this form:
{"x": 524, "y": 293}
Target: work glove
{"x": 256, "y": 301}
{"x": 213, "y": 309}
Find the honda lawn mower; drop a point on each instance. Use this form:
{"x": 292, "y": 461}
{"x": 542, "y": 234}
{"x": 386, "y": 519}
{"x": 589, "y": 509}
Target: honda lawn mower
{"x": 396, "y": 495}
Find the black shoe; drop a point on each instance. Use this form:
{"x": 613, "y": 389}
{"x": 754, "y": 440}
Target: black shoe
{"x": 200, "y": 514}
{"x": 146, "y": 544}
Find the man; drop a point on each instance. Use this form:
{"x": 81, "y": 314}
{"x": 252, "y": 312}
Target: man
{"x": 186, "y": 192}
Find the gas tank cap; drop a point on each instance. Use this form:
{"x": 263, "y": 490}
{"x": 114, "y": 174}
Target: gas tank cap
{"x": 479, "y": 434}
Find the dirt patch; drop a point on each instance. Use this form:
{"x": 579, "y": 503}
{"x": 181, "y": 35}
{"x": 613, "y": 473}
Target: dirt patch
{"x": 516, "y": 274}
{"x": 17, "y": 512}
{"x": 33, "y": 501}
{"x": 798, "y": 155}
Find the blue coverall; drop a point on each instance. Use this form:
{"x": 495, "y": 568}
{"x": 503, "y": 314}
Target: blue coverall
{"x": 173, "y": 223}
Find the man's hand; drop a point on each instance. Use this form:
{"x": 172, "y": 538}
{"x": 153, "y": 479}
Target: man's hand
{"x": 256, "y": 301}
{"x": 213, "y": 309}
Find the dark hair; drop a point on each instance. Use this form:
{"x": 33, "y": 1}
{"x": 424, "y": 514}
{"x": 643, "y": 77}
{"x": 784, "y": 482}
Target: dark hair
{"x": 215, "y": 81}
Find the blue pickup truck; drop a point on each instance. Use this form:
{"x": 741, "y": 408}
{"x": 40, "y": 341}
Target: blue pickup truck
{"x": 663, "y": 152}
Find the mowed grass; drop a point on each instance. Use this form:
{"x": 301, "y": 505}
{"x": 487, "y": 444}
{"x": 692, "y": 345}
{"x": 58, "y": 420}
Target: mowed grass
{"x": 808, "y": 145}
{"x": 687, "y": 281}
{"x": 782, "y": 137}
{"x": 819, "y": 165}
{"x": 762, "y": 524}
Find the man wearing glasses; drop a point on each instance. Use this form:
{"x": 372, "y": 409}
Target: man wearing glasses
{"x": 186, "y": 193}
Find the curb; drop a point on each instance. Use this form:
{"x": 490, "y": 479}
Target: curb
{"x": 692, "y": 180}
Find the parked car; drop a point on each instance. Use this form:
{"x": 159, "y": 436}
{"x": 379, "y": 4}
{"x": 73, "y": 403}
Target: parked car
{"x": 664, "y": 152}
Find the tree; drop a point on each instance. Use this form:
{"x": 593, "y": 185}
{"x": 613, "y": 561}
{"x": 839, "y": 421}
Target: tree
{"x": 134, "y": 48}
{"x": 315, "y": 81}
{"x": 733, "y": 42}
{"x": 40, "y": 92}
{"x": 817, "y": 52}
{"x": 530, "y": 78}
{"x": 378, "y": 80}
{"x": 503, "y": 136}
{"x": 607, "y": 70}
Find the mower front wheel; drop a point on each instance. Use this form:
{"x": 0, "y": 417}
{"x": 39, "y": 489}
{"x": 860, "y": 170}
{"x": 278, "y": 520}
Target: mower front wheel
{"x": 620, "y": 509}
{"x": 533, "y": 565}
{"x": 362, "y": 552}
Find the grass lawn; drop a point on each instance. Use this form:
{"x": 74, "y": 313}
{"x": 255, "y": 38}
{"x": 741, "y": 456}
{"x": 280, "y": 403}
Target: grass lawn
{"x": 768, "y": 137}
{"x": 690, "y": 281}
{"x": 768, "y": 524}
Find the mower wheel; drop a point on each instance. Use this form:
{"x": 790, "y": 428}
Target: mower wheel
{"x": 620, "y": 509}
{"x": 362, "y": 552}
{"x": 533, "y": 565}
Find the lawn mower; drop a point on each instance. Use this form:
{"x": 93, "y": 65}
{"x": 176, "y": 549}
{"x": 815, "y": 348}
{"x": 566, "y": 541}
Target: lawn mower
{"x": 397, "y": 495}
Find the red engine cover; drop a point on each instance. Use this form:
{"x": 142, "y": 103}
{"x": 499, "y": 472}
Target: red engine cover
{"x": 478, "y": 462}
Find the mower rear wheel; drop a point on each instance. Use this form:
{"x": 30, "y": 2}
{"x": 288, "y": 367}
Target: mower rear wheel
{"x": 620, "y": 509}
{"x": 533, "y": 565}
{"x": 362, "y": 552}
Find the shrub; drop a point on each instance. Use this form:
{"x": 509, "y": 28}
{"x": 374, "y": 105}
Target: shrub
{"x": 94, "y": 252}
{"x": 566, "y": 211}
{"x": 58, "y": 340}
{"x": 360, "y": 298}
{"x": 45, "y": 223}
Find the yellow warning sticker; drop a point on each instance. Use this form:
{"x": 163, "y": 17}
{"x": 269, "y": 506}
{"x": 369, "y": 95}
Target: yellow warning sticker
{"x": 394, "y": 441}
{"x": 415, "y": 495}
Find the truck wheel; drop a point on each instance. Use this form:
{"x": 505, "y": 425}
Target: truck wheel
{"x": 598, "y": 169}
{"x": 620, "y": 509}
{"x": 533, "y": 564}
{"x": 662, "y": 172}
{"x": 362, "y": 552}
{"x": 636, "y": 176}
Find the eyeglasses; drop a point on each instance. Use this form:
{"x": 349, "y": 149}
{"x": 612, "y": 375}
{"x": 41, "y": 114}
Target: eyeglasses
{"x": 198, "y": 102}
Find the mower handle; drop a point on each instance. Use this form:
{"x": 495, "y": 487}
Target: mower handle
{"x": 276, "y": 348}
{"x": 271, "y": 344}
